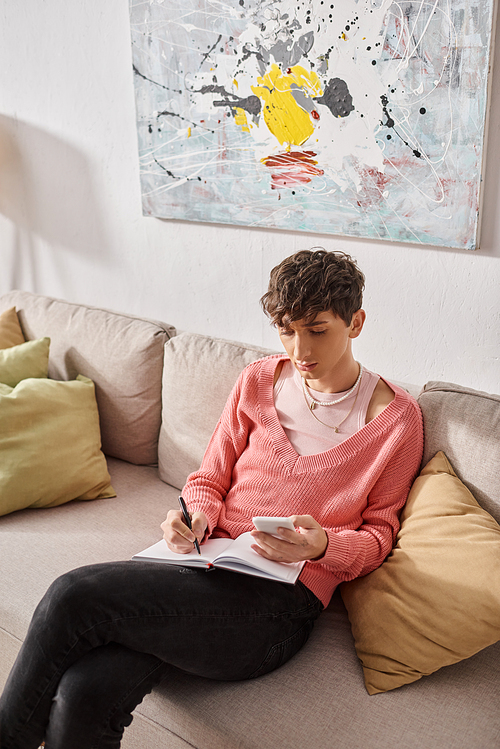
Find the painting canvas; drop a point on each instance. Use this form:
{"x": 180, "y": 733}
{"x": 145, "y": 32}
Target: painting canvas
{"x": 352, "y": 117}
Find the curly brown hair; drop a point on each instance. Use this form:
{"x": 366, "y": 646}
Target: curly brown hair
{"x": 310, "y": 282}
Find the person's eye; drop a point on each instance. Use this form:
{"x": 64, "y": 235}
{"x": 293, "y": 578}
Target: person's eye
{"x": 286, "y": 332}
{"x": 318, "y": 332}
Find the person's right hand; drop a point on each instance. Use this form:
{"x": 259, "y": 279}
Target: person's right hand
{"x": 178, "y": 536}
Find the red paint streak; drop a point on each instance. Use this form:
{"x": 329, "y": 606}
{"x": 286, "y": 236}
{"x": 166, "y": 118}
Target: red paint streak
{"x": 460, "y": 192}
{"x": 372, "y": 185}
{"x": 315, "y": 115}
{"x": 403, "y": 38}
{"x": 292, "y": 168}
{"x": 405, "y": 44}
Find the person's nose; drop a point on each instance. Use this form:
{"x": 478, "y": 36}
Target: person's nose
{"x": 302, "y": 348}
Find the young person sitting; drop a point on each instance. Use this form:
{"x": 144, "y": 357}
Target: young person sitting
{"x": 311, "y": 435}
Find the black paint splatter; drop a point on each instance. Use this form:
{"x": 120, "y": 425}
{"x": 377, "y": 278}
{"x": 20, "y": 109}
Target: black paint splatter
{"x": 210, "y": 50}
{"x": 137, "y": 72}
{"x": 174, "y": 176}
{"x": 170, "y": 174}
{"x": 385, "y": 102}
{"x": 390, "y": 123}
{"x": 166, "y": 113}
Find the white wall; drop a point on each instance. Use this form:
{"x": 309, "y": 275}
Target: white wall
{"x": 71, "y": 224}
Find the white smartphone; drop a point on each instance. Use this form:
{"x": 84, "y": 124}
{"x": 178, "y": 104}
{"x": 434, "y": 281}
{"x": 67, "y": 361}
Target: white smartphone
{"x": 271, "y": 525}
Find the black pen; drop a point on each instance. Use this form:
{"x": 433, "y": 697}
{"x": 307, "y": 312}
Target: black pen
{"x": 188, "y": 522}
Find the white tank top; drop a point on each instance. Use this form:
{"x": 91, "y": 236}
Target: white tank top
{"x": 306, "y": 434}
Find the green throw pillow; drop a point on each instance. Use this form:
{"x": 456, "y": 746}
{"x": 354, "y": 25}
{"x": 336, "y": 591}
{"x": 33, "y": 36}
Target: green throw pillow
{"x": 30, "y": 359}
{"x": 50, "y": 444}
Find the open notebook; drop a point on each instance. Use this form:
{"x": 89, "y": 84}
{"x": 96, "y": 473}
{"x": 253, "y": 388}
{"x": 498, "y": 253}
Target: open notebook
{"x": 227, "y": 553}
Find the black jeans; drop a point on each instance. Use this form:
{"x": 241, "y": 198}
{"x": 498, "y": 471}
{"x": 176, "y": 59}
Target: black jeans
{"x": 102, "y": 636}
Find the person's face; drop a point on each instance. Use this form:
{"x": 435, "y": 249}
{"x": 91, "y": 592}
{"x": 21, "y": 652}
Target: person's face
{"x": 320, "y": 349}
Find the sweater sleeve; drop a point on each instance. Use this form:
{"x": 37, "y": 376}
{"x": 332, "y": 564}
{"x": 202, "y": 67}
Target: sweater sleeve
{"x": 354, "y": 553}
{"x": 206, "y": 489}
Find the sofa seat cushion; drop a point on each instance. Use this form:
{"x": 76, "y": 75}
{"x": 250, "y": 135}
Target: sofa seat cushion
{"x": 121, "y": 354}
{"x": 199, "y": 374}
{"x": 36, "y": 546}
{"x": 318, "y": 700}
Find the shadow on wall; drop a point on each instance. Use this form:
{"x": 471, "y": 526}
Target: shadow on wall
{"x": 47, "y": 191}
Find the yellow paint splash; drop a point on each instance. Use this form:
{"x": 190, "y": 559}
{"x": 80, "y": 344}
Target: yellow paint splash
{"x": 240, "y": 119}
{"x": 286, "y": 120}
{"x": 189, "y": 132}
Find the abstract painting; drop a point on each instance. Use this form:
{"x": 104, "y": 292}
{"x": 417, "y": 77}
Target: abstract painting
{"x": 364, "y": 118}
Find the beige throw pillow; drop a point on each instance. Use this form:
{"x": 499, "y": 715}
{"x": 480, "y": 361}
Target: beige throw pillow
{"x": 436, "y": 599}
{"x": 10, "y": 329}
{"x": 210, "y": 368}
{"x": 30, "y": 359}
{"x": 50, "y": 445}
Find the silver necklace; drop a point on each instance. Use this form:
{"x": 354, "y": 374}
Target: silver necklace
{"x": 314, "y": 403}
{"x": 335, "y": 428}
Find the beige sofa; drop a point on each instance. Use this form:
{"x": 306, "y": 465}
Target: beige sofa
{"x": 159, "y": 397}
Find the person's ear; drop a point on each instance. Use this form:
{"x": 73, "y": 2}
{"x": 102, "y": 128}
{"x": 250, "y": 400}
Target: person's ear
{"x": 357, "y": 322}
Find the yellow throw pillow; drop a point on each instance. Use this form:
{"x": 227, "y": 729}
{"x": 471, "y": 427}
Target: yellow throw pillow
{"x": 30, "y": 359}
{"x": 436, "y": 599}
{"x": 10, "y": 329}
{"x": 50, "y": 445}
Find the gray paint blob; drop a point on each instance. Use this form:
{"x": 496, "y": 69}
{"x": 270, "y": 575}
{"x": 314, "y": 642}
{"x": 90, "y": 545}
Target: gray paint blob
{"x": 337, "y": 98}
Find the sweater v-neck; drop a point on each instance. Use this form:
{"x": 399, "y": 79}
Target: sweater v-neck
{"x": 337, "y": 454}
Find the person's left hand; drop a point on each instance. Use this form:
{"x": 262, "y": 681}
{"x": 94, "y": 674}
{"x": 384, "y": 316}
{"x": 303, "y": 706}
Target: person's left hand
{"x": 308, "y": 542}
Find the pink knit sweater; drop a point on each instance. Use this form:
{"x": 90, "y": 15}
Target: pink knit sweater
{"x": 355, "y": 490}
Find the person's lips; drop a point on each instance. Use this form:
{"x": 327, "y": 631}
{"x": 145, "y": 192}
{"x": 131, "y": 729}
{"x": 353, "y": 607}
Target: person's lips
{"x": 303, "y": 367}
